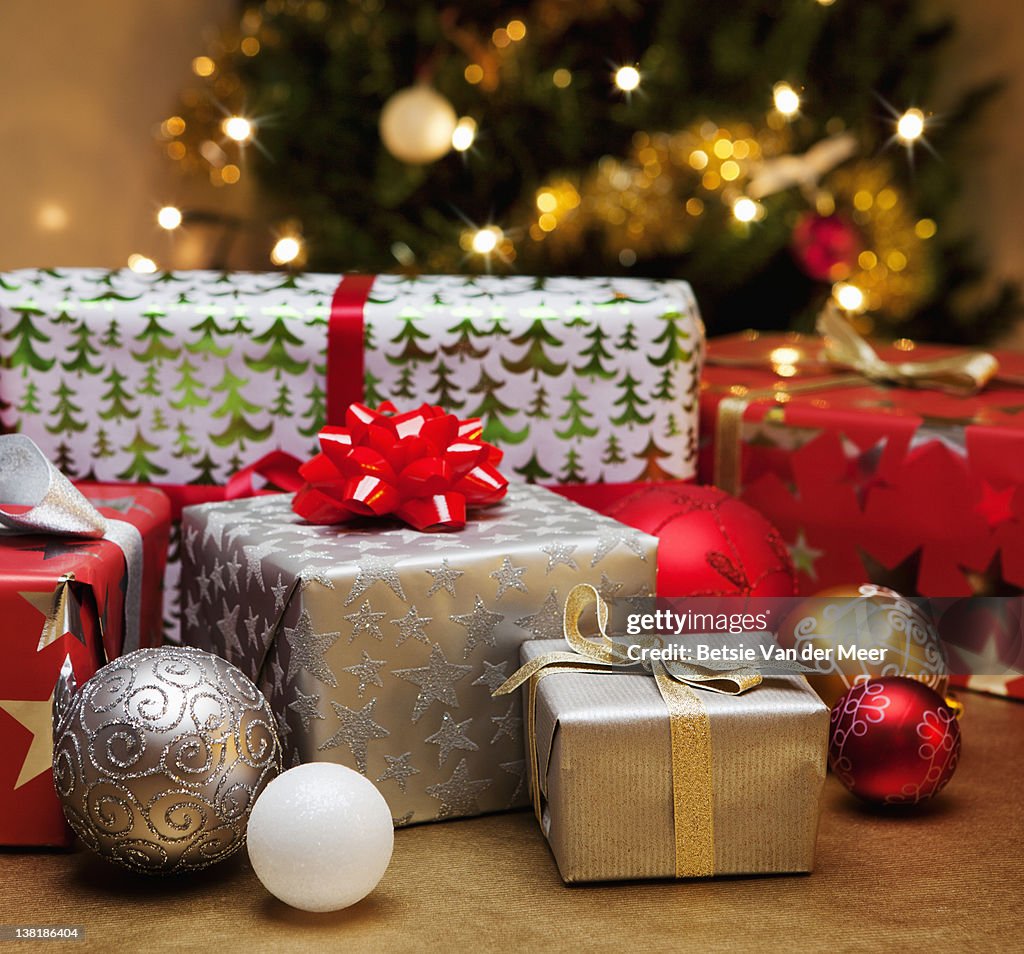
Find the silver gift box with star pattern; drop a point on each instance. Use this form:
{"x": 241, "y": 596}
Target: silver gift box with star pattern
{"x": 379, "y": 646}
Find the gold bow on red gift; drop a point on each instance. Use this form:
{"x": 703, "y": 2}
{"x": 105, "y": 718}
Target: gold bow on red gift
{"x": 423, "y": 466}
{"x": 689, "y": 723}
{"x": 845, "y": 348}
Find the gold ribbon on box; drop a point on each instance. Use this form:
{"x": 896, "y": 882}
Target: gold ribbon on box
{"x": 689, "y": 723}
{"x": 843, "y": 347}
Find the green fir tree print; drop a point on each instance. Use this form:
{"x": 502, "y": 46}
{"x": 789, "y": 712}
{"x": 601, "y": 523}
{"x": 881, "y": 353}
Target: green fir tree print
{"x": 539, "y": 404}
{"x": 158, "y": 422}
{"x": 650, "y": 455}
{"x": 627, "y": 341}
{"x": 492, "y": 409}
{"x": 102, "y": 448}
{"x": 81, "y": 351}
{"x": 535, "y": 358}
{"x": 29, "y": 403}
{"x": 443, "y": 388}
{"x": 141, "y": 469}
{"x": 665, "y": 390}
{"x": 463, "y": 346}
{"x": 409, "y": 337}
{"x": 403, "y": 387}
{"x": 184, "y": 445}
{"x": 155, "y": 336}
{"x": 116, "y": 399}
{"x": 282, "y": 406}
{"x": 571, "y": 472}
{"x": 111, "y": 339}
{"x": 67, "y": 412}
{"x": 532, "y": 472}
{"x": 576, "y": 414}
{"x": 188, "y": 386}
{"x": 631, "y": 403}
{"x": 206, "y": 471}
{"x": 150, "y": 383}
{"x": 24, "y": 333}
{"x": 235, "y": 407}
{"x": 372, "y": 395}
{"x": 315, "y": 411}
{"x": 64, "y": 462}
{"x": 612, "y": 453}
{"x": 276, "y": 358}
{"x": 209, "y": 331}
{"x": 596, "y": 354}
{"x": 672, "y": 337}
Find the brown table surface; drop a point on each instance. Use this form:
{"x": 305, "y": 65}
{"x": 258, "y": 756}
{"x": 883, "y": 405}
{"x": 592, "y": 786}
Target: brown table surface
{"x": 944, "y": 878}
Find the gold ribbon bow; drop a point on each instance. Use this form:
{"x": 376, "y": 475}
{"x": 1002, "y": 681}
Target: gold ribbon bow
{"x": 690, "y": 726}
{"x": 843, "y": 346}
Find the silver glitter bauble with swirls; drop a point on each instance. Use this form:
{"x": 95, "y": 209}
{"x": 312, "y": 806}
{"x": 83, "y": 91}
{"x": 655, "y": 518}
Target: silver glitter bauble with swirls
{"x": 160, "y": 756}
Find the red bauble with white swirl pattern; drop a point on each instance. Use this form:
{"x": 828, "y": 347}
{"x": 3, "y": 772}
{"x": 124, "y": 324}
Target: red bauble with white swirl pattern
{"x": 893, "y": 741}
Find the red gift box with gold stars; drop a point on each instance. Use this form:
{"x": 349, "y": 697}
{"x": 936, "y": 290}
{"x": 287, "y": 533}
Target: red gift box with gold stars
{"x": 912, "y": 487}
{"x": 68, "y": 601}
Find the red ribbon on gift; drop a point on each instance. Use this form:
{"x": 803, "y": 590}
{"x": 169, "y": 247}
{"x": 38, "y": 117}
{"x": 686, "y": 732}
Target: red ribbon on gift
{"x": 423, "y": 466}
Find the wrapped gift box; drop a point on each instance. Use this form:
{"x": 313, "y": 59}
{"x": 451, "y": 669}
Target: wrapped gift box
{"x": 605, "y": 769}
{"x": 193, "y": 374}
{"x": 915, "y": 489}
{"x": 65, "y": 600}
{"x": 180, "y": 379}
{"x": 379, "y": 646}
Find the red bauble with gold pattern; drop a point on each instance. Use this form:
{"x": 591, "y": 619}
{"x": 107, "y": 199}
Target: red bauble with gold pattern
{"x": 893, "y": 741}
{"x": 710, "y": 544}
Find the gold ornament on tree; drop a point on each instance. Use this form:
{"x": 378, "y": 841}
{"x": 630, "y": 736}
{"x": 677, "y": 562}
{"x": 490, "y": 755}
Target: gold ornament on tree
{"x": 416, "y": 125}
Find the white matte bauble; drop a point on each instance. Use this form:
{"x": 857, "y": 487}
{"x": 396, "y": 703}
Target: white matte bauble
{"x": 416, "y": 125}
{"x": 320, "y": 837}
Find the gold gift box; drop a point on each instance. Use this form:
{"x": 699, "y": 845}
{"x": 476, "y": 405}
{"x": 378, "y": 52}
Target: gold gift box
{"x": 605, "y": 763}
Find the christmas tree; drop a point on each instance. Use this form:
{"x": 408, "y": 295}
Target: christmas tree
{"x": 774, "y": 154}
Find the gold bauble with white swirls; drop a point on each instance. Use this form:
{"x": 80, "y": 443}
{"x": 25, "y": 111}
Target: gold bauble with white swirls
{"x": 416, "y": 125}
{"x": 866, "y": 617}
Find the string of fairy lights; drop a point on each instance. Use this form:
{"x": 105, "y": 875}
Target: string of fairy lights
{"x": 642, "y": 203}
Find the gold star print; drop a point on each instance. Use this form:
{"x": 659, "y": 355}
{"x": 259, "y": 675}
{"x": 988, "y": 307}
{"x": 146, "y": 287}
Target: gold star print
{"x": 367, "y": 672}
{"x": 458, "y": 796}
{"x": 509, "y": 577}
{"x": 479, "y": 625}
{"x": 308, "y": 648}
{"x": 357, "y": 729}
{"x": 365, "y": 620}
{"x": 371, "y": 570}
{"x": 37, "y": 717}
{"x": 436, "y": 681}
{"x": 451, "y": 735}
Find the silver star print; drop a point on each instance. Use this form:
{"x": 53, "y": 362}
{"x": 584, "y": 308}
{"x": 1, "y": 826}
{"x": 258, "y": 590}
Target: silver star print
{"x": 400, "y": 768}
{"x": 444, "y": 578}
{"x": 204, "y": 585}
{"x": 508, "y": 724}
{"x": 367, "y": 672}
{"x": 365, "y": 620}
{"x": 479, "y": 625}
{"x": 277, "y": 674}
{"x": 307, "y": 707}
{"x": 509, "y": 577}
{"x": 451, "y": 735}
{"x": 517, "y": 769}
{"x": 228, "y": 626}
{"x": 493, "y": 675}
{"x": 559, "y": 553}
{"x": 232, "y": 567}
{"x": 402, "y": 820}
{"x": 547, "y": 621}
{"x": 608, "y": 588}
{"x": 191, "y": 610}
{"x": 254, "y": 554}
{"x": 279, "y": 591}
{"x": 499, "y": 538}
{"x": 237, "y": 530}
{"x": 283, "y": 729}
{"x": 251, "y": 620}
{"x": 412, "y": 626}
{"x": 436, "y": 681}
{"x": 308, "y": 648}
{"x": 371, "y": 570}
{"x": 217, "y": 576}
{"x": 609, "y": 538}
{"x": 217, "y": 518}
{"x": 458, "y": 796}
{"x": 189, "y": 538}
{"x": 357, "y": 729}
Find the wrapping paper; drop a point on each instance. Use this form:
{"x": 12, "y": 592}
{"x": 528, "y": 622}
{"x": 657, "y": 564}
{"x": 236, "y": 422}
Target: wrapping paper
{"x": 79, "y": 584}
{"x": 917, "y": 490}
{"x": 379, "y": 646}
{"x": 193, "y": 374}
{"x": 604, "y": 758}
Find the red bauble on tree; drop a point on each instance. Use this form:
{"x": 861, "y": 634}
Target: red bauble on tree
{"x": 710, "y": 544}
{"x": 893, "y": 741}
{"x": 826, "y": 246}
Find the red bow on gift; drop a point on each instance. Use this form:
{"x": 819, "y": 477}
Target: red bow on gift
{"x": 423, "y": 466}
